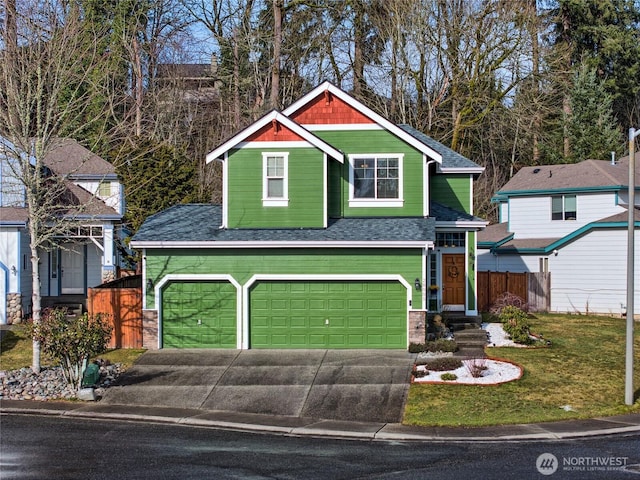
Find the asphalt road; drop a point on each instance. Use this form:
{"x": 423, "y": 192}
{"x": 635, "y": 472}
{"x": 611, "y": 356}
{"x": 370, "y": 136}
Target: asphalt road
{"x": 35, "y": 447}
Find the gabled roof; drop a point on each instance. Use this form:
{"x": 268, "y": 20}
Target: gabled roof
{"x": 199, "y": 225}
{"x": 274, "y": 115}
{"x": 67, "y": 157}
{"x": 588, "y": 175}
{"x": 367, "y": 112}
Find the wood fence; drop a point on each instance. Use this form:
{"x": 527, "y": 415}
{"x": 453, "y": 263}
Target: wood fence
{"x": 534, "y": 288}
{"x": 124, "y": 309}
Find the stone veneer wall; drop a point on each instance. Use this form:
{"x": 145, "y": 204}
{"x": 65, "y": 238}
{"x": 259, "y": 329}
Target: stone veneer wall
{"x": 417, "y": 326}
{"x": 14, "y": 308}
{"x": 150, "y": 329}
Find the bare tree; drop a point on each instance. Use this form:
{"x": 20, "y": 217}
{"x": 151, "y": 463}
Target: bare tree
{"x": 49, "y": 71}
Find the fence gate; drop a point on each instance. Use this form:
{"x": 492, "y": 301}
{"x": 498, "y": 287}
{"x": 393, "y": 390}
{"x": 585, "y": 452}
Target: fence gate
{"x": 124, "y": 309}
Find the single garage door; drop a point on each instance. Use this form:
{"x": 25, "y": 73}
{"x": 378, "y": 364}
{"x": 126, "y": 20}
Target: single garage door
{"x": 336, "y": 314}
{"x": 199, "y": 314}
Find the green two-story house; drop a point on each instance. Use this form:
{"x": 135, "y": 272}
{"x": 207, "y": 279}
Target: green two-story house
{"x": 337, "y": 229}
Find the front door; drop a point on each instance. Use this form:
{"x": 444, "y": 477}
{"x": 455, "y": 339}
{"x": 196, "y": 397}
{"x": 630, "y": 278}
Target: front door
{"x": 72, "y": 268}
{"x": 453, "y": 280}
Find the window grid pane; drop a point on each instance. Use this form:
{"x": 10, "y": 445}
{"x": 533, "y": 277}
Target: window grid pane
{"x": 376, "y": 178}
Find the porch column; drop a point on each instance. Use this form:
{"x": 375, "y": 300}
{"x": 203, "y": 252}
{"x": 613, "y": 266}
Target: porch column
{"x": 108, "y": 258}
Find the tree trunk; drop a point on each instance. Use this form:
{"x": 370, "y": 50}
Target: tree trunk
{"x": 236, "y": 81}
{"x": 278, "y": 6}
{"x": 138, "y": 86}
{"x": 36, "y": 299}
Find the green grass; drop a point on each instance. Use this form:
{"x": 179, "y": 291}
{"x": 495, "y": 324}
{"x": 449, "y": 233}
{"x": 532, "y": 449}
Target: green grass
{"x": 584, "y": 368}
{"x": 16, "y": 352}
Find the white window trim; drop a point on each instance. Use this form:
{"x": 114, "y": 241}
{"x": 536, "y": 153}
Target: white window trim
{"x": 374, "y": 202}
{"x": 275, "y": 202}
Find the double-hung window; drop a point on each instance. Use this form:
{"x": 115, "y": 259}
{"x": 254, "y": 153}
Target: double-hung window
{"x": 564, "y": 207}
{"x": 275, "y": 172}
{"x": 375, "y": 180}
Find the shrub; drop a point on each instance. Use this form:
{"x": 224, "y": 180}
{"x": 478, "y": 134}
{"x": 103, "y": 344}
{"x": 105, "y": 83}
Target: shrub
{"x": 419, "y": 373}
{"x": 442, "y": 364}
{"x": 508, "y": 299}
{"x": 476, "y": 366}
{"x": 515, "y": 324}
{"x": 448, "y": 377}
{"x": 440, "y": 345}
{"x": 71, "y": 340}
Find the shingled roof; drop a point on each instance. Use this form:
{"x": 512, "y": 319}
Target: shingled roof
{"x": 450, "y": 158}
{"x": 196, "y": 223}
{"x": 588, "y": 174}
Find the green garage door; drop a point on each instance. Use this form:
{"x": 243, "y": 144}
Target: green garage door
{"x": 199, "y": 315}
{"x": 333, "y": 314}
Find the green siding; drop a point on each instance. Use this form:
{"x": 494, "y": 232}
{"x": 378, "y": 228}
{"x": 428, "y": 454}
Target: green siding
{"x": 453, "y": 191}
{"x": 242, "y": 264}
{"x": 305, "y": 184}
{"x": 368, "y": 141}
{"x": 332, "y": 314}
{"x": 199, "y": 314}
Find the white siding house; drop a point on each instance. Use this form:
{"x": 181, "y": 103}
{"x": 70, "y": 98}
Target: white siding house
{"x": 570, "y": 221}
{"x": 85, "y": 256}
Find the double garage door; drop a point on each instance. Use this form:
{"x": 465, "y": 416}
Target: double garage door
{"x": 284, "y": 314}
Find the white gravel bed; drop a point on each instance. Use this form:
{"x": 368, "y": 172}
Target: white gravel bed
{"x": 496, "y": 372}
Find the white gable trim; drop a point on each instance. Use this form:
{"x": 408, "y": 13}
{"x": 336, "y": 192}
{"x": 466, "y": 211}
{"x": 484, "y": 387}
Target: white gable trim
{"x": 366, "y": 111}
{"x": 234, "y": 141}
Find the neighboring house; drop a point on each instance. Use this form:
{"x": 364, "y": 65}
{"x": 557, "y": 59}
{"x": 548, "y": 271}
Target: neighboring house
{"x": 334, "y": 222}
{"x": 571, "y": 221}
{"x": 85, "y": 255}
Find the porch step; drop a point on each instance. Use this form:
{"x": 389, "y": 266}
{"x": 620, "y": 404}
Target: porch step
{"x": 471, "y": 339}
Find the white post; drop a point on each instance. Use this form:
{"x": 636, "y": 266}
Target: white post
{"x": 628, "y": 389}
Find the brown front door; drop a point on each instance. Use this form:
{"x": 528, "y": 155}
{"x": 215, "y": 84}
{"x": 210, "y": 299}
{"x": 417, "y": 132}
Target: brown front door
{"x": 453, "y": 279}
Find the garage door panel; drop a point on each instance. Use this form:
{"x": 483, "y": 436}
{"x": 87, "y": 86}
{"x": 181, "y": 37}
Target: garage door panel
{"x": 359, "y": 314}
{"x": 199, "y": 314}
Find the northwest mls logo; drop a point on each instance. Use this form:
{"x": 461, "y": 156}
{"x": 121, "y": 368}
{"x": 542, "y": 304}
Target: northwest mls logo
{"x": 547, "y": 464}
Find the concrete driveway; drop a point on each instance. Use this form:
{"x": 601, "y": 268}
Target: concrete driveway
{"x": 356, "y": 385}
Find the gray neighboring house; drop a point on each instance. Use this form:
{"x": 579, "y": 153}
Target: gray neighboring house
{"x": 85, "y": 255}
{"x": 570, "y": 220}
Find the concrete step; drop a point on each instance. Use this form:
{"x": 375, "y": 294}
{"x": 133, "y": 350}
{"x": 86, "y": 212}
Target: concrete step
{"x": 471, "y": 334}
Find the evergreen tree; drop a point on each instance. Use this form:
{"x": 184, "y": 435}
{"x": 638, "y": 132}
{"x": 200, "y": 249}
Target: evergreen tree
{"x": 591, "y": 126}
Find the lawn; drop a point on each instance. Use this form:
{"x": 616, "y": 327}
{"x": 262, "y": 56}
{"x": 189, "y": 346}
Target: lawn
{"x": 16, "y": 351}
{"x": 584, "y": 368}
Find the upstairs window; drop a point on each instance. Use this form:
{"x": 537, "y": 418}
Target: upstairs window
{"x": 104, "y": 189}
{"x": 375, "y": 180}
{"x": 564, "y": 207}
{"x": 275, "y": 168}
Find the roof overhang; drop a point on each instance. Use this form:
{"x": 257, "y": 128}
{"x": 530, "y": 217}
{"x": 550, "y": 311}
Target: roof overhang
{"x": 218, "y": 153}
{"x": 280, "y": 244}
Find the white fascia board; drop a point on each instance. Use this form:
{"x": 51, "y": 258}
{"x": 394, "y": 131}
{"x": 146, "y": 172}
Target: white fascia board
{"x": 283, "y": 244}
{"x": 367, "y": 112}
{"x": 468, "y": 224}
{"x": 290, "y": 124}
{"x": 473, "y": 170}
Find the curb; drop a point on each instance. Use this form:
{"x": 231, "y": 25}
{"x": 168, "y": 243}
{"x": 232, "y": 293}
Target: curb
{"x": 295, "y": 426}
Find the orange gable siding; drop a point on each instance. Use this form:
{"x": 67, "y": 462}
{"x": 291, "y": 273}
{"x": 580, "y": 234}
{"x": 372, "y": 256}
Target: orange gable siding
{"x": 274, "y": 132}
{"x": 328, "y": 109}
